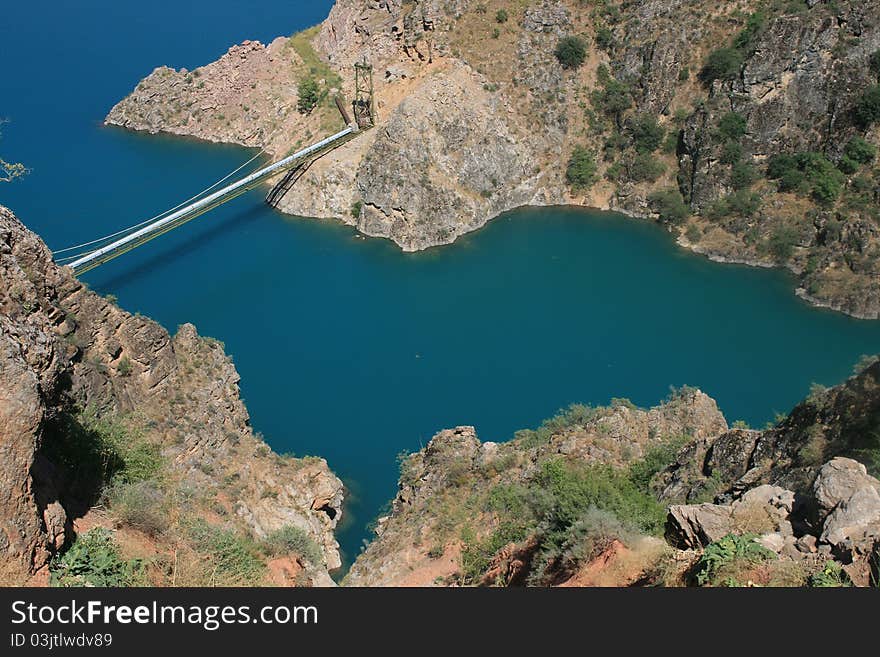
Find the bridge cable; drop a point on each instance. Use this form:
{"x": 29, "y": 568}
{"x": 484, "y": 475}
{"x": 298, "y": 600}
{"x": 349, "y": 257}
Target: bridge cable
{"x": 158, "y": 216}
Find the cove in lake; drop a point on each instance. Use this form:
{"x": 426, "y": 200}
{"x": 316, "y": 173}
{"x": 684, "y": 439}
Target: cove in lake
{"x": 348, "y": 348}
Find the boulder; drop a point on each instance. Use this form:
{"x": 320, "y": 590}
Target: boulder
{"x": 853, "y": 526}
{"x": 763, "y": 510}
{"x": 837, "y": 481}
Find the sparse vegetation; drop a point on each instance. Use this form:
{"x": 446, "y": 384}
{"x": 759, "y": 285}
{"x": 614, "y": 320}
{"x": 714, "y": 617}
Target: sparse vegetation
{"x": 832, "y": 575}
{"x": 808, "y": 171}
{"x": 140, "y": 504}
{"x": 724, "y": 561}
{"x": 726, "y": 63}
{"x": 309, "y": 95}
{"x": 293, "y": 540}
{"x": 94, "y": 560}
{"x": 234, "y": 559}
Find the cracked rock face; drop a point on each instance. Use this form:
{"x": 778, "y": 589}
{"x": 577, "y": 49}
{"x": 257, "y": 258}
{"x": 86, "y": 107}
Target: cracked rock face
{"x": 62, "y": 347}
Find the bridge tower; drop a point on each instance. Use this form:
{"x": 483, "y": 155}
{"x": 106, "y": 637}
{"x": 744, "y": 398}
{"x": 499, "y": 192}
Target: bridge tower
{"x": 364, "y": 105}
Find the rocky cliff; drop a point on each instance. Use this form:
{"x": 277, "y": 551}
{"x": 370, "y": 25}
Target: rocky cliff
{"x": 85, "y": 384}
{"x": 478, "y": 116}
{"x": 588, "y": 498}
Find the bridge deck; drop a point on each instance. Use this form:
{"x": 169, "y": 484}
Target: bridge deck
{"x": 203, "y": 205}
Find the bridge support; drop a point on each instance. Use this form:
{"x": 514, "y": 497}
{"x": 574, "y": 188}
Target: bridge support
{"x": 364, "y": 105}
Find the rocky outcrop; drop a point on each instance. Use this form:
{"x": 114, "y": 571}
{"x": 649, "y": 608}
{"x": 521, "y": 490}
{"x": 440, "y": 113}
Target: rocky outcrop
{"x": 839, "y": 421}
{"x": 478, "y": 117}
{"x": 444, "y": 164}
{"x": 849, "y": 499}
{"x": 763, "y": 510}
{"x": 416, "y": 544}
{"x": 482, "y": 513}
{"x": 63, "y": 348}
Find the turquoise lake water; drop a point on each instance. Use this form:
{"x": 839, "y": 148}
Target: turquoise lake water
{"x": 348, "y": 348}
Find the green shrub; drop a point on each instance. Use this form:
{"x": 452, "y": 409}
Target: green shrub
{"x": 581, "y": 170}
{"x": 293, "y": 540}
{"x": 742, "y": 203}
{"x": 614, "y": 98}
{"x": 722, "y": 560}
{"x": 645, "y": 168}
{"x": 847, "y": 165}
{"x": 235, "y": 559}
{"x": 572, "y": 489}
{"x": 684, "y": 74}
{"x": 356, "y": 209}
{"x": 646, "y": 133}
{"x": 832, "y": 575}
{"x": 92, "y": 452}
{"x": 94, "y": 560}
{"x": 742, "y": 175}
{"x": 501, "y": 16}
{"x": 669, "y": 204}
{"x": 670, "y": 143}
{"x": 782, "y": 241}
{"x": 867, "y": 108}
{"x": 732, "y": 126}
{"x": 571, "y": 51}
{"x": 125, "y": 367}
{"x": 859, "y": 150}
{"x": 731, "y": 152}
{"x": 309, "y": 95}
{"x": 874, "y": 63}
{"x": 593, "y": 533}
{"x": 745, "y": 40}
{"x": 655, "y": 460}
{"x": 814, "y": 170}
{"x": 722, "y": 64}
{"x": 139, "y": 504}
{"x": 605, "y": 38}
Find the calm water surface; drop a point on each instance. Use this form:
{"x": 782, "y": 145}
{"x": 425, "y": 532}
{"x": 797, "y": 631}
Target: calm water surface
{"x": 348, "y": 348}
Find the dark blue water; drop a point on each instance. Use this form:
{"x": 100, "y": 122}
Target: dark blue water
{"x": 348, "y": 348}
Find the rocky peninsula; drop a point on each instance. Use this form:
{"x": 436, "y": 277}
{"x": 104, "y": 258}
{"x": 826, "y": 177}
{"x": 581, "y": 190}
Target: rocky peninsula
{"x": 674, "y": 111}
{"x": 108, "y": 422}
{"x": 622, "y": 496}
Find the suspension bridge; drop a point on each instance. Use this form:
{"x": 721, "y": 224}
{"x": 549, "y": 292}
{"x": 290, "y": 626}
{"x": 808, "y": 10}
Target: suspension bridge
{"x": 91, "y": 254}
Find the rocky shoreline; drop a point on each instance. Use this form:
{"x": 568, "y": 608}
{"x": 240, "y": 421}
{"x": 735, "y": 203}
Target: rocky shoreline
{"x": 78, "y": 369}
{"x": 472, "y": 127}
{"x": 665, "y": 496}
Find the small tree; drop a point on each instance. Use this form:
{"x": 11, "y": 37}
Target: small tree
{"x": 613, "y": 99}
{"x": 732, "y": 126}
{"x": 647, "y": 134}
{"x": 581, "y": 170}
{"x": 501, "y": 16}
{"x": 867, "y": 109}
{"x": 858, "y": 150}
{"x": 9, "y": 171}
{"x": 309, "y": 95}
{"x": 669, "y": 204}
{"x": 571, "y": 51}
{"x": 874, "y": 63}
{"x": 605, "y": 38}
{"x": 722, "y": 64}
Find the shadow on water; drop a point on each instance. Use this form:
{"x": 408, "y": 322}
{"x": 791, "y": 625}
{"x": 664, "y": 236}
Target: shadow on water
{"x": 163, "y": 258}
